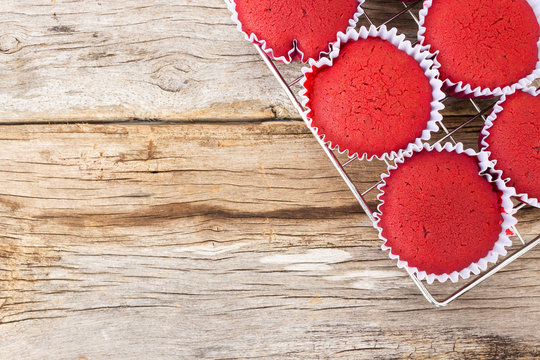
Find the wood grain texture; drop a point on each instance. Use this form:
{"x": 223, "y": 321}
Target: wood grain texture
{"x": 142, "y": 241}
{"x": 80, "y": 61}
{"x": 119, "y": 60}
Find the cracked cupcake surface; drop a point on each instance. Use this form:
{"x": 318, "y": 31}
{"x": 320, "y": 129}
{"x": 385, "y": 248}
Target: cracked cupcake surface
{"x": 483, "y": 43}
{"x": 312, "y": 24}
{"x": 514, "y": 143}
{"x": 438, "y": 213}
{"x": 374, "y": 99}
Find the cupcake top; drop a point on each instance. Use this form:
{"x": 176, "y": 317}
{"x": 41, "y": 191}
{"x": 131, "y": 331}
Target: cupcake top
{"x": 296, "y": 30}
{"x": 438, "y": 214}
{"x": 374, "y": 98}
{"x": 483, "y": 43}
{"x": 513, "y": 139}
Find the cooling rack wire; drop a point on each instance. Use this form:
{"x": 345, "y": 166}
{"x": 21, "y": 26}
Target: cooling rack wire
{"x": 361, "y": 195}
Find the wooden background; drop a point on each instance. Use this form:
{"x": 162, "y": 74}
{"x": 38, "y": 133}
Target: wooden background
{"x": 159, "y": 198}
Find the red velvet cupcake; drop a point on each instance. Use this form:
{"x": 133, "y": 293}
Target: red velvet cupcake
{"x": 485, "y": 48}
{"x": 439, "y": 217}
{"x": 376, "y": 95}
{"x": 294, "y": 30}
{"x": 511, "y": 136}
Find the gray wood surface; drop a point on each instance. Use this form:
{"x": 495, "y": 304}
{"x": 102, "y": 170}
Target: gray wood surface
{"x": 222, "y": 233}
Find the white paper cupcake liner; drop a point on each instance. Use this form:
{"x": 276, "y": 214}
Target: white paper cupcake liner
{"x": 422, "y": 57}
{"x": 506, "y": 204}
{"x": 294, "y": 53}
{"x": 490, "y": 161}
{"x": 464, "y": 90}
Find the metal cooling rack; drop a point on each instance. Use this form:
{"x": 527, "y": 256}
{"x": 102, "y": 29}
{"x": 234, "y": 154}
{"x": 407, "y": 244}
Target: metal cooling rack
{"x": 360, "y": 196}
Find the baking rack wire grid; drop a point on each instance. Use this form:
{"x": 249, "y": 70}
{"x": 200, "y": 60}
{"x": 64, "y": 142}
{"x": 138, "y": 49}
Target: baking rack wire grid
{"x": 447, "y": 136}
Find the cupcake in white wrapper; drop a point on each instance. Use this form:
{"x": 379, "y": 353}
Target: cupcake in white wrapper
{"x": 462, "y": 89}
{"x": 294, "y": 53}
{"x": 492, "y": 160}
{"x": 475, "y": 267}
{"x": 424, "y": 71}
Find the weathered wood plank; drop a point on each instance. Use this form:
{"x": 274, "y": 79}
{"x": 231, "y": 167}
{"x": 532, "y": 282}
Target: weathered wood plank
{"x": 220, "y": 241}
{"x": 118, "y": 60}
{"x": 67, "y": 61}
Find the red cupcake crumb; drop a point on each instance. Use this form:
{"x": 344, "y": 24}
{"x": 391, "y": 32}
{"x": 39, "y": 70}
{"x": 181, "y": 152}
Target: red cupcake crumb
{"x": 438, "y": 214}
{"x": 514, "y": 142}
{"x": 313, "y": 24}
{"x": 484, "y": 43}
{"x": 373, "y": 100}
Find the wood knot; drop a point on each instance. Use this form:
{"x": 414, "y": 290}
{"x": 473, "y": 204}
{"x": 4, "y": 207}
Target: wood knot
{"x": 171, "y": 78}
{"x": 9, "y": 44}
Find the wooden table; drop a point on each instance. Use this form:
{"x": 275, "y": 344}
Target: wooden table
{"x": 160, "y": 198}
